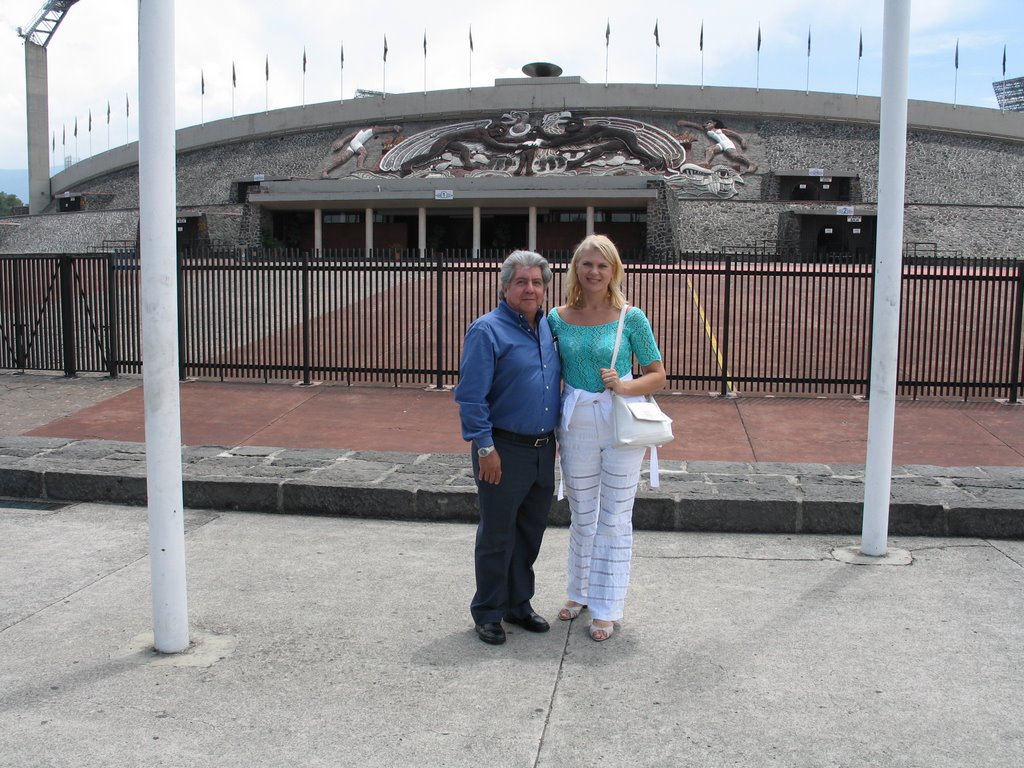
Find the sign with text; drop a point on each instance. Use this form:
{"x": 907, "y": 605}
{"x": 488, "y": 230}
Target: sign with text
{"x": 444, "y": 194}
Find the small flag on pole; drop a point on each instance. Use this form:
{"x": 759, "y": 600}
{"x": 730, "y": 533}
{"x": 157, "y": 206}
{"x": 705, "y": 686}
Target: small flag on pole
{"x": 234, "y": 80}
{"x": 470, "y": 38}
{"x": 956, "y": 69}
{"x": 90, "y": 119}
{"x": 108, "y": 112}
{"x": 267, "y": 68}
{"x": 76, "y": 126}
{"x": 202, "y": 83}
{"x": 1004, "y": 61}
{"x": 424, "y": 44}
{"x": 607, "y": 49}
{"x": 385, "y": 47}
{"x": 657, "y": 45}
{"x": 807, "y": 83}
{"x": 127, "y": 108}
{"x": 303, "y": 60}
{"x": 759, "y": 37}
{"x": 860, "y": 55}
{"x": 702, "y": 37}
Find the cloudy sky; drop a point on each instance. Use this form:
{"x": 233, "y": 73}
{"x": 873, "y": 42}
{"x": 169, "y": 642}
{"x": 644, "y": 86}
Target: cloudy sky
{"x": 93, "y": 56}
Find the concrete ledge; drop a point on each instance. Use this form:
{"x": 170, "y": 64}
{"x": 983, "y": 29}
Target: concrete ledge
{"x": 713, "y": 497}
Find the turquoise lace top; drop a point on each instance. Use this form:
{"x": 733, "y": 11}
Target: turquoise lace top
{"x": 585, "y": 349}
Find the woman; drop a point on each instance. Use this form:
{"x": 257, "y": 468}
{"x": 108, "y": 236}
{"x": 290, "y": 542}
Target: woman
{"x": 601, "y": 479}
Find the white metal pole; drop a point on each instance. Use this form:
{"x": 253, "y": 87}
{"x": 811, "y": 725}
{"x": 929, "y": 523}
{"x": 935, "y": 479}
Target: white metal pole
{"x": 157, "y": 239}
{"x": 892, "y": 156}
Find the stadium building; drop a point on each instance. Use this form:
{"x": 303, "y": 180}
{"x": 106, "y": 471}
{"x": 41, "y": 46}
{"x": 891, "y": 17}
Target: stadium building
{"x": 540, "y": 161}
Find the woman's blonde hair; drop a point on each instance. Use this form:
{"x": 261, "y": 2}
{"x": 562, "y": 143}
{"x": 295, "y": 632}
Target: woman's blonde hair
{"x": 607, "y": 249}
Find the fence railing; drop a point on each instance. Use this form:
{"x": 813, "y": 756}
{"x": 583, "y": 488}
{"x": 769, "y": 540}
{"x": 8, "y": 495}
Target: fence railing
{"x": 724, "y": 322}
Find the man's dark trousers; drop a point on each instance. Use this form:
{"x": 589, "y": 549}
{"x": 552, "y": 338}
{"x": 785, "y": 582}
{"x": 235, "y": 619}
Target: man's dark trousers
{"x": 513, "y": 516}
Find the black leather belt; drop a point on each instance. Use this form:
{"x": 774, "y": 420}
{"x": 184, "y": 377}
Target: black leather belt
{"x": 537, "y": 441}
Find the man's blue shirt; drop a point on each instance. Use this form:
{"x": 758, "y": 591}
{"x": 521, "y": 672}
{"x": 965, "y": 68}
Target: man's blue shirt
{"x": 509, "y": 376}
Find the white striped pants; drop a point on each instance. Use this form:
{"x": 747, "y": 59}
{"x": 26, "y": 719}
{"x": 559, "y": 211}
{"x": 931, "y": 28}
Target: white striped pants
{"x": 600, "y": 482}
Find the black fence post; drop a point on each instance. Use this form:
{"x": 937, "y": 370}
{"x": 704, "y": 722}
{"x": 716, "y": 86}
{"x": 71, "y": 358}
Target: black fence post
{"x": 1018, "y": 321}
{"x": 67, "y": 316}
{"x": 112, "y": 318}
{"x": 306, "y": 320}
{"x": 20, "y": 329}
{"x": 439, "y": 320}
{"x": 182, "y": 346}
{"x": 726, "y": 321}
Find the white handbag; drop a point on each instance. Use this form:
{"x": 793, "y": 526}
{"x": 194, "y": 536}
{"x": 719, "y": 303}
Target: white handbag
{"x": 637, "y": 422}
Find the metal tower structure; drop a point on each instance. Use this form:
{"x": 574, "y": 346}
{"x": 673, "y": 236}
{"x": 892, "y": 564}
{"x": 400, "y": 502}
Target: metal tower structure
{"x": 1010, "y": 94}
{"x": 37, "y": 36}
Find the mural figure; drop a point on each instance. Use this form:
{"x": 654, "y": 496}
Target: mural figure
{"x": 595, "y": 139}
{"x": 723, "y": 142}
{"x": 463, "y": 142}
{"x": 352, "y": 144}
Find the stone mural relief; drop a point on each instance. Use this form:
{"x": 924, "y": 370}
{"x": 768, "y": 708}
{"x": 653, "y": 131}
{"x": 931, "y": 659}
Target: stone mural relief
{"x": 556, "y": 143}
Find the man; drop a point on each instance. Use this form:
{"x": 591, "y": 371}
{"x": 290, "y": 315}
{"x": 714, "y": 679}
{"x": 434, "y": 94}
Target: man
{"x": 508, "y": 396}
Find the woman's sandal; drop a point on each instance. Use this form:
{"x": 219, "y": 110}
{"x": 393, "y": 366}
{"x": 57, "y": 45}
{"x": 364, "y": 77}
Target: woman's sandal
{"x": 570, "y": 611}
{"x": 600, "y": 634}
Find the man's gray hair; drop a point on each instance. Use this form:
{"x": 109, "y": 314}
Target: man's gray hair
{"x": 518, "y": 259}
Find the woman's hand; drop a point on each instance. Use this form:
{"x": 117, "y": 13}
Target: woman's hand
{"x": 652, "y": 380}
{"x": 610, "y": 379}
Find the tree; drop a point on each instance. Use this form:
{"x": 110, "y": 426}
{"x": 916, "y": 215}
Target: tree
{"x": 8, "y": 203}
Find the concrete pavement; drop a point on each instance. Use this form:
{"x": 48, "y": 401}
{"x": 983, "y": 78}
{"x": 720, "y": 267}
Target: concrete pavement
{"x": 338, "y": 640}
{"x": 343, "y": 642}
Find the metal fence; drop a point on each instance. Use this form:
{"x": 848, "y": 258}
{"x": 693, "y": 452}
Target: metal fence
{"x": 745, "y": 323}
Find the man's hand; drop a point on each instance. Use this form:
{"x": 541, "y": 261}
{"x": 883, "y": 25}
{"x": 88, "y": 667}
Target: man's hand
{"x": 490, "y": 468}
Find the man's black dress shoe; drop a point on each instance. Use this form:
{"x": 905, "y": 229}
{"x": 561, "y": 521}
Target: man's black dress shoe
{"x": 531, "y": 623}
{"x": 492, "y": 633}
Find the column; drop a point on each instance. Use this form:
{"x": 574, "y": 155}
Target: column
{"x": 368, "y": 222}
{"x": 532, "y": 236}
{"x": 590, "y": 220}
{"x": 476, "y": 232}
{"x": 422, "y": 235}
{"x": 318, "y": 231}
{"x": 36, "y": 109}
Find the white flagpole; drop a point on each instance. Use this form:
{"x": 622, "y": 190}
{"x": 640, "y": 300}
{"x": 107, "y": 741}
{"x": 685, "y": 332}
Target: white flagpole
{"x": 157, "y": 238}
{"x": 892, "y": 158}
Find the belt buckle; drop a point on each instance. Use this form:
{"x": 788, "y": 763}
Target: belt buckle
{"x": 540, "y": 442}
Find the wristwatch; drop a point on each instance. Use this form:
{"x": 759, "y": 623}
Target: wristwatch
{"x": 485, "y": 451}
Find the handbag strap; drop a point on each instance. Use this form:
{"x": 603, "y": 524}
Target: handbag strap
{"x": 618, "y": 334}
